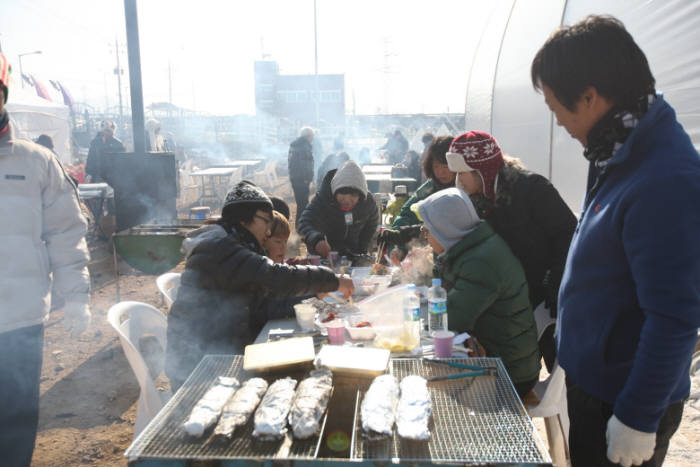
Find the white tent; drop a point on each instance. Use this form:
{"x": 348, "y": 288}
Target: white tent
{"x": 32, "y": 116}
{"x": 501, "y": 100}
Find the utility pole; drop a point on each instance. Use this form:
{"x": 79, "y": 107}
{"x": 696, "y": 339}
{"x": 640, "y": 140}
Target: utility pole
{"x": 118, "y": 71}
{"x": 170, "y": 87}
{"x": 318, "y": 94}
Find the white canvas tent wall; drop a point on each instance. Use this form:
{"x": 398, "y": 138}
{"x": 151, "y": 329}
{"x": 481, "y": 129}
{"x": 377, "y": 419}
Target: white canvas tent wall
{"x": 501, "y": 100}
{"x": 32, "y": 116}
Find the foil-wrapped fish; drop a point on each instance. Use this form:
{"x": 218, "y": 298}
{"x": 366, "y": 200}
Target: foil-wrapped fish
{"x": 414, "y": 409}
{"x": 207, "y": 410}
{"x": 271, "y": 415}
{"x": 310, "y": 402}
{"x": 240, "y": 407}
{"x": 378, "y": 409}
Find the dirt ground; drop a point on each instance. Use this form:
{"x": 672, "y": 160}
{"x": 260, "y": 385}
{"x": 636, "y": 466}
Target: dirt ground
{"x": 89, "y": 392}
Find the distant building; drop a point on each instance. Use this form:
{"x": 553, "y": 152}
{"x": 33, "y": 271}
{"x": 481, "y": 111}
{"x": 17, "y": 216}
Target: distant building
{"x": 293, "y": 97}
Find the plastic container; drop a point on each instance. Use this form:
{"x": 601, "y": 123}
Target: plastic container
{"x": 437, "y": 307}
{"x": 305, "y": 314}
{"x": 362, "y": 333}
{"x": 370, "y": 285}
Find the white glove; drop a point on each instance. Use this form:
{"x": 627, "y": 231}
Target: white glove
{"x": 627, "y": 446}
{"x": 76, "y": 316}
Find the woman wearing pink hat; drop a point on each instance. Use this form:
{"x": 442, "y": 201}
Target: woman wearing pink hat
{"x": 525, "y": 209}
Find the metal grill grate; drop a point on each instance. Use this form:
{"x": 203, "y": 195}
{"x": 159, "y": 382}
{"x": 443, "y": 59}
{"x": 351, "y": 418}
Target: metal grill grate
{"x": 474, "y": 420}
{"x": 164, "y": 437}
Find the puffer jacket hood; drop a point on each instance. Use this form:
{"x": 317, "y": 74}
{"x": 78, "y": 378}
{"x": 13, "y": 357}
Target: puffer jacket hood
{"x": 349, "y": 175}
{"x": 449, "y": 215}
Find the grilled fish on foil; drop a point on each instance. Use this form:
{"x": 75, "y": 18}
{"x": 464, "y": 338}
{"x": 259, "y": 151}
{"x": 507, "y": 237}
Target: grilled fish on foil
{"x": 378, "y": 409}
{"x": 310, "y": 402}
{"x": 271, "y": 415}
{"x": 207, "y": 410}
{"x": 240, "y": 407}
{"x": 414, "y": 409}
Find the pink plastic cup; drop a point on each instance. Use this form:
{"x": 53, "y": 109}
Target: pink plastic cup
{"x": 315, "y": 260}
{"x": 442, "y": 343}
{"x": 336, "y": 332}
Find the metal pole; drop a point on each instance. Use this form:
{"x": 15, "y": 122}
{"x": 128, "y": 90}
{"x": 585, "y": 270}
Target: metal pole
{"x": 133, "y": 48}
{"x": 119, "y": 82}
{"x": 318, "y": 94}
{"x": 21, "y": 73}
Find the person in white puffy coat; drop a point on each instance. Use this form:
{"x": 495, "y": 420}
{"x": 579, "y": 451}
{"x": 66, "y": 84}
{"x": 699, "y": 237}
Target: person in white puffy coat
{"x": 42, "y": 243}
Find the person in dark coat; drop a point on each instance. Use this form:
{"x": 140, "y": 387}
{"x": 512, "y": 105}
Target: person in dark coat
{"x": 301, "y": 167}
{"x": 226, "y": 281}
{"x": 629, "y": 304}
{"x": 342, "y": 216}
{"x": 332, "y": 161}
{"x": 525, "y": 209}
{"x": 395, "y": 146}
{"x": 104, "y": 143}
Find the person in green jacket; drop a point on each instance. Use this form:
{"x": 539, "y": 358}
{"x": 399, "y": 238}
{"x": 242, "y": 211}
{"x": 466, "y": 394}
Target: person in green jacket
{"x": 406, "y": 224}
{"x": 487, "y": 293}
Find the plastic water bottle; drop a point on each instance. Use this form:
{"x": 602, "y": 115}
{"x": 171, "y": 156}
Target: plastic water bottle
{"x": 411, "y": 316}
{"x": 437, "y": 307}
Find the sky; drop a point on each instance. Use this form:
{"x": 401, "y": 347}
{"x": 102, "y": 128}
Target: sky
{"x": 397, "y": 56}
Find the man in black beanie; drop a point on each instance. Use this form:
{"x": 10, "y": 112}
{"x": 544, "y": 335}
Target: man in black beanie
{"x": 221, "y": 301}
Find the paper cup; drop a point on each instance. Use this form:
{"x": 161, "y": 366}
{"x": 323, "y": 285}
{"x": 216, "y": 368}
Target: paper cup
{"x": 305, "y": 316}
{"x": 336, "y": 332}
{"x": 442, "y": 343}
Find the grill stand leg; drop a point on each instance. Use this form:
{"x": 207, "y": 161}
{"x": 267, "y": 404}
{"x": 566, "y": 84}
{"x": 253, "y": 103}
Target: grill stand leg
{"x": 555, "y": 439}
{"x": 116, "y": 267}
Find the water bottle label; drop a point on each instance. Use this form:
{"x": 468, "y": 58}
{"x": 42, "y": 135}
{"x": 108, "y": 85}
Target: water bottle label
{"x": 437, "y": 307}
{"x": 415, "y": 313}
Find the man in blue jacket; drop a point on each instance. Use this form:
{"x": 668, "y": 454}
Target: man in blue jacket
{"x": 629, "y": 302}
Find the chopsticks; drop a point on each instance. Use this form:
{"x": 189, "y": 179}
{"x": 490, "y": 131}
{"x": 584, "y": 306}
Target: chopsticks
{"x": 339, "y": 299}
{"x": 380, "y": 252}
{"x": 330, "y": 256}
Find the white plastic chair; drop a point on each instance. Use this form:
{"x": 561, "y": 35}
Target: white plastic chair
{"x": 551, "y": 393}
{"x": 168, "y": 284}
{"x": 267, "y": 177}
{"x": 133, "y": 321}
{"x": 543, "y": 319}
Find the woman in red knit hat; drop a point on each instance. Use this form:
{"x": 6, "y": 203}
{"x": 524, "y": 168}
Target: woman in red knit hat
{"x": 525, "y": 209}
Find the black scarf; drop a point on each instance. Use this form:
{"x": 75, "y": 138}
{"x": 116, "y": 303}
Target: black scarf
{"x": 611, "y": 131}
{"x": 4, "y": 119}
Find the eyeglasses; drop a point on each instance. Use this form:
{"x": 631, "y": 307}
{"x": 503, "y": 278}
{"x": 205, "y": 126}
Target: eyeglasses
{"x": 267, "y": 221}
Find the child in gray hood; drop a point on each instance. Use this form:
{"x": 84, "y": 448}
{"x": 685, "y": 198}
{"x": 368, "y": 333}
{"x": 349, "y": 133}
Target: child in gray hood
{"x": 487, "y": 294}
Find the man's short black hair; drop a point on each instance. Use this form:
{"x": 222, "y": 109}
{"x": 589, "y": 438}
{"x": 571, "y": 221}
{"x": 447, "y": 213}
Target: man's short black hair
{"x": 599, "y": 52}
{"x": 280, "y": 205}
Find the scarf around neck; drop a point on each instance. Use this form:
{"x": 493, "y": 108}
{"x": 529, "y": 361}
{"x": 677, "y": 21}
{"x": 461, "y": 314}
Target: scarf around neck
{"x": 610, "y": 132}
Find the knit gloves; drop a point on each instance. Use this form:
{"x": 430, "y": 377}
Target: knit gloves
{"x": 627, "y": 446}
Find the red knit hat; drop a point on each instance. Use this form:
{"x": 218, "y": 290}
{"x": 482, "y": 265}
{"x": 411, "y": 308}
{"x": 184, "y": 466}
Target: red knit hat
{"x": 476, "y": 150}
{"x": 5, "y": 70}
